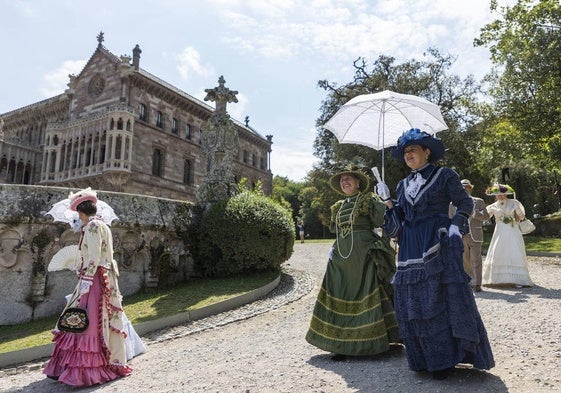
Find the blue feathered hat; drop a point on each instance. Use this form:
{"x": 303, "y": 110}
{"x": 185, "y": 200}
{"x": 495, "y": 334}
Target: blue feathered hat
{"x": 417, "y": 137}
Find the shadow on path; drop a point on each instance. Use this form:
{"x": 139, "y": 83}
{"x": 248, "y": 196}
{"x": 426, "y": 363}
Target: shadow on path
{"x": 388, "y": 372}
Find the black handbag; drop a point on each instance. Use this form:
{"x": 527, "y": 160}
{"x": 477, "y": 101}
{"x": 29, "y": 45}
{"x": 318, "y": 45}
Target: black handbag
{"x": 73, "y": 320}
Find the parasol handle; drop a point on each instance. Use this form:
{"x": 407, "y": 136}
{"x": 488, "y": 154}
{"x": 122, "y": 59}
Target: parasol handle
{"x": 377, "y": 174}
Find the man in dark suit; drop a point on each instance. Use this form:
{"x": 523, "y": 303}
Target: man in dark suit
{"x": 473, "y": 240}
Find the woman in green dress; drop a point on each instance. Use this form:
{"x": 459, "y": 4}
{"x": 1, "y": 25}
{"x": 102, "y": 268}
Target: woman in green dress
{"x": 354, "y": 313}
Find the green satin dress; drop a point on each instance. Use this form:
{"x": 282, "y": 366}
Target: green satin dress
{"x": 354, "y": 313}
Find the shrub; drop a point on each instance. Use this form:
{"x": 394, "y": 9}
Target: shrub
{"x": 248, "y": 232}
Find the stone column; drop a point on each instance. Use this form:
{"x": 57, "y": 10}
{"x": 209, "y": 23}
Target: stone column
{"x": 220, "y": 146}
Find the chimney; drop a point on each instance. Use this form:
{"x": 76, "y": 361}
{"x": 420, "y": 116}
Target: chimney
{"x": 136, "y": 57}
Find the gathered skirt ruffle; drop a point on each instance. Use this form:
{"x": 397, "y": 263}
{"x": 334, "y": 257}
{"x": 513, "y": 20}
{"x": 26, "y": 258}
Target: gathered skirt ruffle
{"x": 78, "y": 360}
{"x": 92, "y": 357}
{"x": 438, "y": 318}
{"x": 354, "y": 313}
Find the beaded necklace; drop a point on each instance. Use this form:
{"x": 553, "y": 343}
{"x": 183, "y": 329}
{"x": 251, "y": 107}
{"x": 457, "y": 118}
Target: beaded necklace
{"x": 338, "y": 223}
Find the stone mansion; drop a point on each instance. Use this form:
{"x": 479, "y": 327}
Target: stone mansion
{"x": 119, "y": 128}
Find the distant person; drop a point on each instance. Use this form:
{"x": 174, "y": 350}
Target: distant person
{"x": 438, "y": 318}
{"x": 98, "y": 354}
{"x": 473, "y": 261}
{"x": 353, "y": 314}
{"x": 506, "y": 263}
{"x": 301, "y": 230}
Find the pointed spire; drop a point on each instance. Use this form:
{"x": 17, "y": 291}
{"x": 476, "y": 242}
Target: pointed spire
{"x": 100, "y": 38}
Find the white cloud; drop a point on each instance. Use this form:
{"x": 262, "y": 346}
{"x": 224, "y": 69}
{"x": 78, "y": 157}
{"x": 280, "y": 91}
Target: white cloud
{"x": 334, "y": 32}
{"x": 55, "y": 82}
{"x": 292, "y": 155}
{"x": 238, "y": 110}
{"x": 190, "y": 63}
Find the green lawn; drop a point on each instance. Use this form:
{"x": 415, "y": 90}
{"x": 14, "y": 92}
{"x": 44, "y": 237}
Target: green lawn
{"x": 534, "y": 243}
{"x": 144, "y": 307}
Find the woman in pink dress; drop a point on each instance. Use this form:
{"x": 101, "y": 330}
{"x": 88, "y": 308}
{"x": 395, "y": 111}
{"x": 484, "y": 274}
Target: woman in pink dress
{"x": 98, "y": 354}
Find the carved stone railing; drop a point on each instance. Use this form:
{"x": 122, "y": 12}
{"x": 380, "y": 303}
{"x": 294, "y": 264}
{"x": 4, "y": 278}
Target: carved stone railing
{"x": 149, "y": 244}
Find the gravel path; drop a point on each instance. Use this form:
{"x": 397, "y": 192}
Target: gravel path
{"x": 261, "y": 348}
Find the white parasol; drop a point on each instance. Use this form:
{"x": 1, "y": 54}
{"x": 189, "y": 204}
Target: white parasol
{"x": 378, "y": 120}
{"x": 61, "y": 212}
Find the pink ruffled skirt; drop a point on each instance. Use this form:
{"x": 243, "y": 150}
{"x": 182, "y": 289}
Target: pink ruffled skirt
{"x": 82, "y": 359}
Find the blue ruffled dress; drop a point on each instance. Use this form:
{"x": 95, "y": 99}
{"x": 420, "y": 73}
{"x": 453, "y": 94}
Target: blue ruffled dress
{"x": 437, "y": 315}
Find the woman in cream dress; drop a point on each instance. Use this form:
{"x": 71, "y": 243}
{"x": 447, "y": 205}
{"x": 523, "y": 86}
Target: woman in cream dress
{"x": 505, "y": 262}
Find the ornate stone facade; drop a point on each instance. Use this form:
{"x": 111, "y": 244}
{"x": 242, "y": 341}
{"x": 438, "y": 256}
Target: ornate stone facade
{"x": 119, "y": 128}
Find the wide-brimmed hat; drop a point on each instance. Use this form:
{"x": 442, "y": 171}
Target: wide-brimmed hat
{"x": 466, "y": 182}
{"x": 499, "y": 189}
{"x": 86, "y": 194}
{"x": 364, "y": 180}
{"x": 414, "y": 136}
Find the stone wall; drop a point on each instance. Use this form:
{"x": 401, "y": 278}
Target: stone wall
{"x": 148, "y": 243}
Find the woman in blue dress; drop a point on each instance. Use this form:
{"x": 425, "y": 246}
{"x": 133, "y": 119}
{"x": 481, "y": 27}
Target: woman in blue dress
{"x": 438, "y": 319}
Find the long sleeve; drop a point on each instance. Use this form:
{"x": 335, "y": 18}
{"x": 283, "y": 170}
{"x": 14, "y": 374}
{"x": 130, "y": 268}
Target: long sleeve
{"x": 480, "y": 212}
{"x": 461, "y": 200}
{"x": 91, "y": 249}
{"x": 519, "y": 210}
{"x": 97, "y": 248}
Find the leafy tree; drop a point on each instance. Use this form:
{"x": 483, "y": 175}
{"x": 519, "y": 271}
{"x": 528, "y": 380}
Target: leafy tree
{"x": 286, "y": 191}
{"x": 311, "y": 213}
{"x": 525, "y": 46}
{"x": 428, "y": 78}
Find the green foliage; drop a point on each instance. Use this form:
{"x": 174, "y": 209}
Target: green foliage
{"x": 516, "y": 126}
{"x": 525, "y": 43}
{"x": 429, "y": 78}
{"x": 245, "y": 184}
{"x": 248, "y": 232}
{"x": 286, "y": 191}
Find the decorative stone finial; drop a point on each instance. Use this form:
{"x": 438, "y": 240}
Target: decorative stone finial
{"x": 221, "y": 95}
{"x": 100, "y": 38}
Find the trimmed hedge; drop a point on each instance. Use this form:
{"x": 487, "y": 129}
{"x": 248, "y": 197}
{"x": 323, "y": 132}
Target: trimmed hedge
{"x": 248, "y": 232}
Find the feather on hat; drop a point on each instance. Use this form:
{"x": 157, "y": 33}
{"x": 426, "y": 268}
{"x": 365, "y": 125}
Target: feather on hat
{"x": 86, "y": 194}
{"x": 414, "y": 136}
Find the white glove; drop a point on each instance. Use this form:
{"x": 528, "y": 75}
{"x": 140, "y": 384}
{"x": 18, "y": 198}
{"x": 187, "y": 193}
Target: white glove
{"x": 383, "y": 190}
{"x": 76, "y": 224}
{"x": 85, "y": 286}
{"x": 454, "y": 231}
{"x": 330, "y": 254}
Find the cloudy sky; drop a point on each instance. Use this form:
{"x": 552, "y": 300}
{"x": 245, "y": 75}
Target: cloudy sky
{"x": 272, "y": 52}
